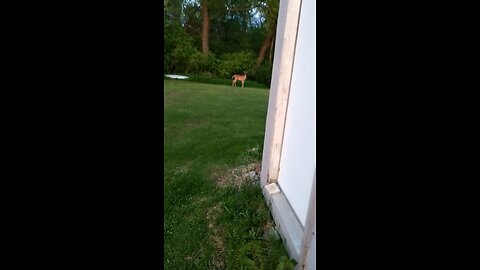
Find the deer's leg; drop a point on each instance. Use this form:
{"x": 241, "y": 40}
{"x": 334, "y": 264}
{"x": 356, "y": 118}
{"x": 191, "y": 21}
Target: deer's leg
{"x": 243, "y": 83}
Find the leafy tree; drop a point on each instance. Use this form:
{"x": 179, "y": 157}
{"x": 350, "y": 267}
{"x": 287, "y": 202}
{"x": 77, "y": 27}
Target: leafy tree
{"x": 205, "y": 26}
{"x": 220, "y": 37}
{"x": 172, "y": 10}
{"x": 270, "y": 10}
{"x": 178, "y": 47}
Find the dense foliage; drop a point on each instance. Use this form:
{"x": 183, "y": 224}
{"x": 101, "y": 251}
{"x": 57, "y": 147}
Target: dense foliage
{"x": 219, "y": 38}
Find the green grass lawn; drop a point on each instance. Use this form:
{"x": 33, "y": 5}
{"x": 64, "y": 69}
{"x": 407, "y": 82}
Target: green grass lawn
{"x": 214, "y": 217}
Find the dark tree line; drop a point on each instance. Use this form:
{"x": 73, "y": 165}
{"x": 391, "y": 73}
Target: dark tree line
{"x": 220, "y": 37}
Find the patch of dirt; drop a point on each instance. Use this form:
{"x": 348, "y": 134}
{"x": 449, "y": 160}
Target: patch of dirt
{"x": 181, "y": 170}
{"x": 267, "y": 227}
{"x": 201, "y": 200}
{"x": 217, "y": 237}
{"x": 236, "y": 176}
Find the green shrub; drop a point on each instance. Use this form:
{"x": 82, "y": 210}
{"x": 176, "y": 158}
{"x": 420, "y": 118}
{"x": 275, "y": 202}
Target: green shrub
{"x": 236, "y": 63}
{"x": 180, "y": 56}
{"x": 201, "y": 63}
{"x": 178, "y": 48}
{"x": 263, "y": 74}
{"x": 286, "y": 263}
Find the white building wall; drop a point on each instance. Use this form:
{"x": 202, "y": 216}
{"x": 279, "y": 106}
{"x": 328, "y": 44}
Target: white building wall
{"x": 289, "y": 163}
{"x": 311, "y": 263}
{"x": 298, "y": 161}
{"x": 285, "y": 42}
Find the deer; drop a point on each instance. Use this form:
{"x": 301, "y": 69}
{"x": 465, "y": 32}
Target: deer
{"x": 237, "y": 77}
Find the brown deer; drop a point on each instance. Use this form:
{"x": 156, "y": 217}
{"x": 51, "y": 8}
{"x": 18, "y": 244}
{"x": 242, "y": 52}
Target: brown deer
{"x": 237, "y": 77}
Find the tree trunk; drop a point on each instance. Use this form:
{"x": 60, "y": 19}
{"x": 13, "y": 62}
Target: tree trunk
{"x": 271, "y": 50}
{"x": 266, "y": 44}
{"x": 205, "y": 26}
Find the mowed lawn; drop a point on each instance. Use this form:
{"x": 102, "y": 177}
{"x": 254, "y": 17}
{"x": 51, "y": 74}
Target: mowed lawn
{"x": 214, "y": 217}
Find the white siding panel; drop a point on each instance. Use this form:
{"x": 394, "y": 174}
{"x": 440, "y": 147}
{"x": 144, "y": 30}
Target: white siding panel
{"x": 312, "y": 252}
{"x": 280, "y": 87}
{"x": 298, "y": 161}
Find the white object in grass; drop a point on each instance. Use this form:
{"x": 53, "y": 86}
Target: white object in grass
{"x": 173, "y": 76}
